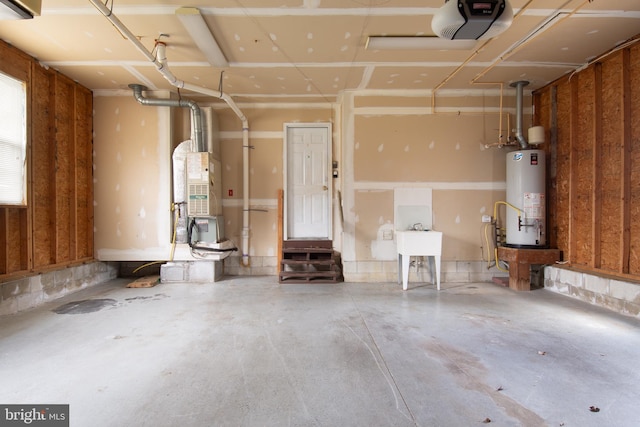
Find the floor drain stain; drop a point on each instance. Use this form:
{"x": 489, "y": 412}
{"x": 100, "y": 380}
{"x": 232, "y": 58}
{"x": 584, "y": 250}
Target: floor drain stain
{"x": 85, "y": 306}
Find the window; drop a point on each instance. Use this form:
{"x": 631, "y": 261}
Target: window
{"x": 13, "y": 141}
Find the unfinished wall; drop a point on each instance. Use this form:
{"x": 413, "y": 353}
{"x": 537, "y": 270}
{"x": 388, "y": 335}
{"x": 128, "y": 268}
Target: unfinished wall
{"x": 55, "y": 229}
{"x": 398, "y": 141}
{"x": 266, "y": 122}
{"x": 384, "y": 143}
{"x": 132, "y": 179}
{"x": 381, "y": 143}
{"x": 593, "y": 123}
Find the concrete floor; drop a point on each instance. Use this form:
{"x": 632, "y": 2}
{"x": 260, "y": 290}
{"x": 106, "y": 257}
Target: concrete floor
{"x": 251, "y": 352}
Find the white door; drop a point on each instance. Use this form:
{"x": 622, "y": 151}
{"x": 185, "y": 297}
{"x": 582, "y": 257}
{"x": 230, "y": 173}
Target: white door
{"x": 307, "y": 181}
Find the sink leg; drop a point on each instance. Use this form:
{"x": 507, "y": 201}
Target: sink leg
{"x": 405, "y": 271}
{"x": 437, "y": 263}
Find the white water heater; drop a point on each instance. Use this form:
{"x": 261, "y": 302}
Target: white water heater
{"x": 526, "y": 226}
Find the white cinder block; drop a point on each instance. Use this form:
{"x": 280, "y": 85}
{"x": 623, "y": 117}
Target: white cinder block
{"x": 255, "y": 261}
{"x": 64, "y": 276}
{"x": 472, "y": 266}
{"x": 231, "y": 271}
{"x": 172, "y": 272}
{"x": 625, "y": 291}
{"x": 204, "y": 271}
{"x": 8, "y": 306}
{"x": 551, "y": 273}
{"x": 30, "y": 300}
{"x": 269, "y": 261}
{"x": 454, "y": 277}
{"x": 264, "y": 271}
{"x": 349, "y": 267}
{"x": 572, "y": 278}
{"x": 35, "y": 284}
{"x": 369, "y": 267}
{"x": 448, "y": 267}
{"x": 390, "y": 267}
{"x": 599, "y": 285}
{"x": 486, "y": 276}
{"x": 232, "y": 261}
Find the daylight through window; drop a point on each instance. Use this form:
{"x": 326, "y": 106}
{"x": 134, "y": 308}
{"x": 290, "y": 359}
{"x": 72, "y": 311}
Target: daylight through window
{"x": 13, "y": 141}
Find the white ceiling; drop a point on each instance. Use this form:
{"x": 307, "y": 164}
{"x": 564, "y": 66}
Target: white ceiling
{"x": 314, "y": 49}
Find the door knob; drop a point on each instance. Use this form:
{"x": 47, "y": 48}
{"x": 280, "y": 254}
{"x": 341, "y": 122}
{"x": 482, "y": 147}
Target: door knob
{"x": 325, "y": 188}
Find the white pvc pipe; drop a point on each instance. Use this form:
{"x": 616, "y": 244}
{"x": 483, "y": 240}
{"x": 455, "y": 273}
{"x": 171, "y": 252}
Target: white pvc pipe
{"x": 245, "y": 194}
{"x": 161, "y": 65}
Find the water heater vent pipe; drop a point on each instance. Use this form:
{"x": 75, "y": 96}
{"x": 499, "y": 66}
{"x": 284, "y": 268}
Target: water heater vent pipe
{"x": 519, "y": 113}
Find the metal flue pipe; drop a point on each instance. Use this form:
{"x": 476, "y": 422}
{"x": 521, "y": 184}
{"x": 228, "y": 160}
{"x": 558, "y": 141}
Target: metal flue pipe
{"x": 163, "y": 69}
{"x": 519, "y": 113}
{"x": 196, "y": 113}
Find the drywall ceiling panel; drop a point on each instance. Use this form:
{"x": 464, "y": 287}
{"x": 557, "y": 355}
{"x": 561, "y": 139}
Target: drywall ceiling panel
{"x": 618, "y": 5}
{"x": 387, "y": 4}
{"x": 284, "y": 99}
{"x": 503, "y": 43}
{"x": 328, "y": 36}
{"x": 302, "y": 39}
{"x": 574, "y": 42}
{"x": 538, "y": 76}
{"x": 307, "y": 81}
{"x": 92, "y": 38}
{"x": 394, "y": 77}
{"x": 274, "y": 81}
{"x": 419, "y": 100}
{"x": 103, "y": 77}
{"x": 122, "y": 6}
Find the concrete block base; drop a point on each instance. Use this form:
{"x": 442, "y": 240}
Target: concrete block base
{"x": 191, "y": 271}
{"x": 616, "y": 295}
{"x": 29, "y": 292}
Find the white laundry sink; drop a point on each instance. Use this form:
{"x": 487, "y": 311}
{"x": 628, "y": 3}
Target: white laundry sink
{"x": 418, "y": 243}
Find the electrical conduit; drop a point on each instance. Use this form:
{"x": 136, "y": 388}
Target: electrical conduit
{"x": 161, "y": 65}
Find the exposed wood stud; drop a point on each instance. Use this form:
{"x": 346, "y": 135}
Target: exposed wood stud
{"x": 73, "y": 177}
{"x": 3, "y": 240}
{"x": 596, "y": 200}
{"x": 625, "y": 173}
{"x": 552, "y": 225}
{"x": 44, "y": 235}
{"x": 595, "y": 115}
{"x": 573, "y": 166}
{"x": 28, "y": 213}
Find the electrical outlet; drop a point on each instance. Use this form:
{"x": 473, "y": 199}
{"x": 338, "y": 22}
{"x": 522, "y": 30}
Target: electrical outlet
{"x": 387, "y": 235}
{"x": 486, "y": 218}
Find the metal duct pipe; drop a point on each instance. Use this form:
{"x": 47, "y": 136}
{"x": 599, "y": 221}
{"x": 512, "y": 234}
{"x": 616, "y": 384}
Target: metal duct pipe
{"x": 519, "y": 113}
{"x": 196, "y": 114}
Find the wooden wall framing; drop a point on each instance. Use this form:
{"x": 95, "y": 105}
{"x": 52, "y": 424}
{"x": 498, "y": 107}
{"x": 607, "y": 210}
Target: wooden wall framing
{"x": 593, "y": 123}
{"x": 55, "y": 229}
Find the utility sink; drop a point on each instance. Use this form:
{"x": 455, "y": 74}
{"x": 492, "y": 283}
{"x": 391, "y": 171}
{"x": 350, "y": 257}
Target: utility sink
{"x": 418, "y": 243}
